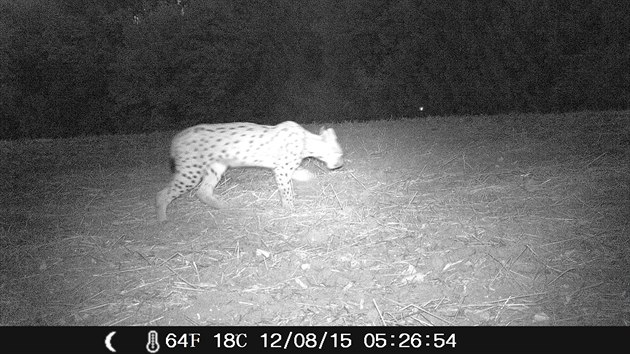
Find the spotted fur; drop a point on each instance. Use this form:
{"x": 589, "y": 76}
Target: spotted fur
{"x": 201, "y": 154}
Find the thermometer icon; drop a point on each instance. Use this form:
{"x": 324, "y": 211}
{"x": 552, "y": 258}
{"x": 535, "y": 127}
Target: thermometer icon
{"x": 152, "y": 345}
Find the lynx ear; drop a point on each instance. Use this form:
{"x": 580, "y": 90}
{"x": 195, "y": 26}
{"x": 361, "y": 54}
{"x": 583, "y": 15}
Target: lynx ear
{"x": 327, "y": 133}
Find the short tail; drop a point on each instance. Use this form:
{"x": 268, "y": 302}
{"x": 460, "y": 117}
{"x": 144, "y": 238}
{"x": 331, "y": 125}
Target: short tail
{"x": 172, "y": 162}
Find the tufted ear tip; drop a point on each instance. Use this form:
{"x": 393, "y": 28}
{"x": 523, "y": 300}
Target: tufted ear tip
{"x": 328, "y": 133}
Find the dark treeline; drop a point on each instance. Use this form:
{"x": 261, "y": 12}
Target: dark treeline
{"x": 75, "y": 67}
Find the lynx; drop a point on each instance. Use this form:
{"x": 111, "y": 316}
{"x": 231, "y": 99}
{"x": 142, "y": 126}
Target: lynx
{"x": 201, "y": 154}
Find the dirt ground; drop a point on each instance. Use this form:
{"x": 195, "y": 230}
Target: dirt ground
{"x": 481, "y": 220}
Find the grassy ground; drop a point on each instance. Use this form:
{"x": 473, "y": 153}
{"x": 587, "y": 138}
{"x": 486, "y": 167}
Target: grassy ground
{"x": 484, "y": 220}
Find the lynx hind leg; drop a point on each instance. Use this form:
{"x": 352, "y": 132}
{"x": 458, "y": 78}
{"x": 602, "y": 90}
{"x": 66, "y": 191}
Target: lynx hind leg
{"x": 179, "y": 185}
{"x": 161, "y": 202}
{"x": 206, "y": 188}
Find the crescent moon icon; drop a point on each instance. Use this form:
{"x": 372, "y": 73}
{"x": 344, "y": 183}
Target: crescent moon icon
{"x": 108, "y": 342}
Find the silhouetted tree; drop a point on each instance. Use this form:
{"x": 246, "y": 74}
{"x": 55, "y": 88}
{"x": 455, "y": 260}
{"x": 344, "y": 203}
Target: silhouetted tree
{"x": 71, "y": 67}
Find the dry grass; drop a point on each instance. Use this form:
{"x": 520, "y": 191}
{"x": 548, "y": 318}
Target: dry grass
{"x": 495, "y": 220}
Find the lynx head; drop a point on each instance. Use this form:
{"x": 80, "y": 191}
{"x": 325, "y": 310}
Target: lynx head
{"x": 331, "y": 152}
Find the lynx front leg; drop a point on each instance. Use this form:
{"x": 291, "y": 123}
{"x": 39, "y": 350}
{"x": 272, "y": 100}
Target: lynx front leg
{"x": 285, "y": 186}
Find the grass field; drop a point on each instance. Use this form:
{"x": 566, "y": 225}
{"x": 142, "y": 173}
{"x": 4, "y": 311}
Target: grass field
{"x": 481, "y": 220}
